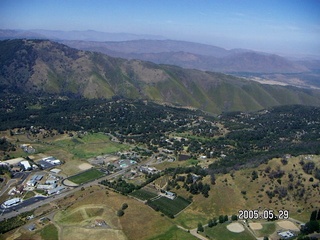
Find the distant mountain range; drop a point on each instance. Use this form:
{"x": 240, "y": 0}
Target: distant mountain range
{"x": 194, "y": 55}
{"x": 43, "y": 66}
{"x": 89, "y": 35}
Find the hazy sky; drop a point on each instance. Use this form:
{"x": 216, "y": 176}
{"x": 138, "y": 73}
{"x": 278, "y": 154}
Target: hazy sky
{"x": 287, "y": 26}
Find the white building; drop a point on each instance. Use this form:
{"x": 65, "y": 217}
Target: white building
{"x": 46, "y": 186}
{"x": 56, "y": 190}
{"x": 286, "y": 234}
{"x": 26, "y": 165}
{"x": 52, "y": 160}
{"x": 11, "y": 202}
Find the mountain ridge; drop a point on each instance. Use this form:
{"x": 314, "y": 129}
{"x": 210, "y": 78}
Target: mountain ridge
{"x": 165, "y": 51}
{"x": 193, "y": 55}
{"x": 50, "y": 67}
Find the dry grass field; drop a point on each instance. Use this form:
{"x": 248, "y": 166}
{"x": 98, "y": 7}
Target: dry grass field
{"x": 97, "y": 202}
{"x": 231, "y": 194}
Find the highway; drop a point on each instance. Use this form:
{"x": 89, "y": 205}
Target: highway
{"x": 38, "y": 201}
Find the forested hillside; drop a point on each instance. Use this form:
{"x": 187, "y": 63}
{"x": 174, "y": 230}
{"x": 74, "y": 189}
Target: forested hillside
{"x": 40, "y": 66}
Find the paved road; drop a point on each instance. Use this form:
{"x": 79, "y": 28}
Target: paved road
{"x": 36, "y": 202}
{"x": 8, "y": 185}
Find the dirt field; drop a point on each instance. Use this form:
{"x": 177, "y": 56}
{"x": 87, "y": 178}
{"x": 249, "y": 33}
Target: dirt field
{"x": 85, "y": 166}
{"x": 235, "y": 227}
{"x": 69, "y": 183}
{"x": 255, "y": 226}
{"x": 84, "y": 234}
{"x": 288, "y": 225}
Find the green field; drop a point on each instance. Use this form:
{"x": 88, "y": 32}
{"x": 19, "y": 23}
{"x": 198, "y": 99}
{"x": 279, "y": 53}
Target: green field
{"x": 221, "y": 232}
{"x": 49, "y": 232}
{"x": 169, "y": 207}
{"x": 143, "y": 194}
{"x": 90, "y": 145}
{"x": 86, "y": 176}
{"x": 174, "y": 233}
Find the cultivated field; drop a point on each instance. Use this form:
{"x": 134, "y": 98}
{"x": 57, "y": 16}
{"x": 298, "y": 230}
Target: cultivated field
{"x": 143, "y": 194}
{"x": 168, "y": 206}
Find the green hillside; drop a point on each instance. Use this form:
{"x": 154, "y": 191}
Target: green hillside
{"x": 44, "y": 66}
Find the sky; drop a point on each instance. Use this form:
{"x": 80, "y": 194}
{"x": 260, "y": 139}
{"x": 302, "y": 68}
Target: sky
{"x": 279, "y": 26}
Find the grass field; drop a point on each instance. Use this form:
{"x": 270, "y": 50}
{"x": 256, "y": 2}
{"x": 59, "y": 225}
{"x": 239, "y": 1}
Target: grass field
{"x": 49, "y": 232}
{"x": 86, "y": 176}
{"x": 168, "y": 206}
{"x": 90, "y": 145}
{"x": 226, "y": 197}
{"x": 221, "y": 232}
{"x": 174, "y": 233}
{"x": 92, "y": 234}
{"x": 138, "y": 222}
{"x": 143, "y": 194}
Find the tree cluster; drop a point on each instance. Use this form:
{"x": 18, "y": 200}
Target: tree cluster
{"x": 313, "y": 225}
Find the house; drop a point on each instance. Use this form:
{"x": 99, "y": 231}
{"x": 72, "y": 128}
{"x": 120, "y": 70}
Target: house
{"x": 170, "y": 195}
{"x": 28, "y": 148}
{"x": 17, "y": 190}
{"x": 32, "y": 227}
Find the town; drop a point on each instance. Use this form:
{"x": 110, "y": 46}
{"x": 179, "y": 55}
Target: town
{"x": 184, "y": 165}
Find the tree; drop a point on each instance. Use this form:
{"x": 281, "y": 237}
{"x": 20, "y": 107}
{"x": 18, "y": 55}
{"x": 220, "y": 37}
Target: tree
{"x": 226, "y": 218}
{"x": 124, "y": 206}
{"x": 120, "y": 213}
{"x": 189, "y": 179}
{"x": 221, "y": 219}
{"x": 210, "y": 223}
{"x": 200, "y": 228}
{"x": 234, "y": 217}
{"x": 313, "y": 216}
{"x": 310, "y": 227}
{"x": 317, "y": 174}
{"x": 308, "y": 167}
{"x": 212, "y": 178}
{"x": 254, "y": 175}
